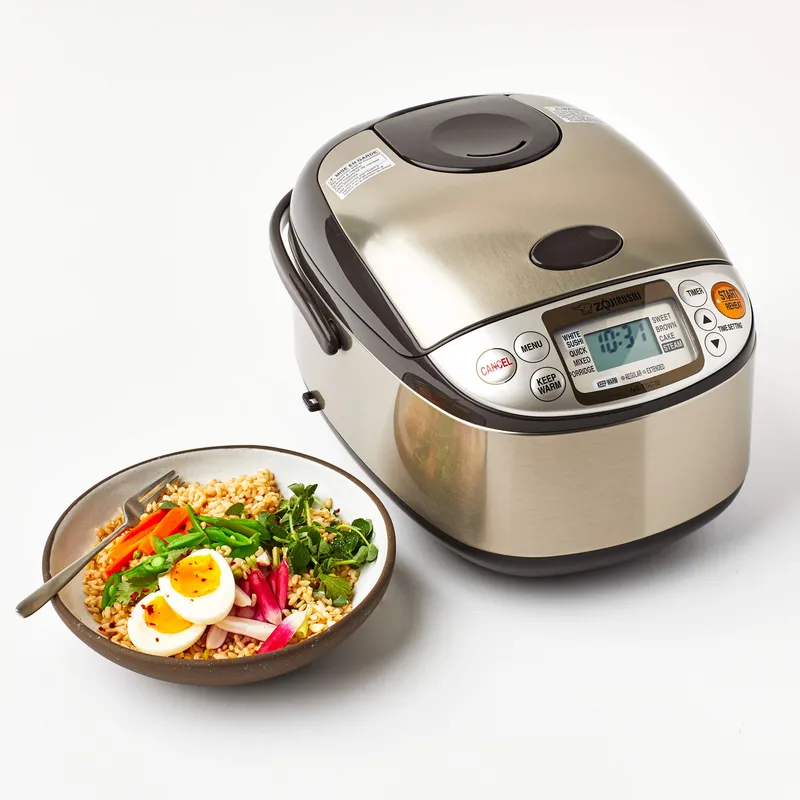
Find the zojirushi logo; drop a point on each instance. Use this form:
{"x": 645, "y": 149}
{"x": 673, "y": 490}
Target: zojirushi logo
{"x": 617, "y": 300}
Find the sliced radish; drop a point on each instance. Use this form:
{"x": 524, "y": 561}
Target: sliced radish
{"x": 266, "y": 606}
{"x": 253, "y": 628}
{"x": 215, "y": 637}
{"x": 272, "y": 580}
{"x": 264, "y": 560}
{"x": 241, "y": 598}
{"x": 282, "y": 583}
{"x": 245, "y": 613}
{"x": 283, "y": 634}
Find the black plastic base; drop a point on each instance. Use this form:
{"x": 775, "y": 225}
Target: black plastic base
{"x": 551, "y": 566}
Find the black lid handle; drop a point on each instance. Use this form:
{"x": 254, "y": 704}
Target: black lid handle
{"x": 308, "y": 305}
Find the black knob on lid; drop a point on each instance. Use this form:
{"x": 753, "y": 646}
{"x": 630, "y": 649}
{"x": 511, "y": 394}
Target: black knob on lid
{"x": 576, "y": 247}
{"x": 475, "y": 134}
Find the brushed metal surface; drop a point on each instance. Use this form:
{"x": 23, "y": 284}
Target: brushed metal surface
{"x": 535, "y": 496}
{"x": 451, "y": 250}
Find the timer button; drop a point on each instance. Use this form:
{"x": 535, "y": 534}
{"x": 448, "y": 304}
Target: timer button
{"x": 692, "y": 293}
{"x": 496, "y": 366}
{"x": 715, "y": 344}
{"x": 531, "y": 346}
{"x": 705, "y": 319}
{"x": 728, "y": 300}
{"x": 548, "y": 384}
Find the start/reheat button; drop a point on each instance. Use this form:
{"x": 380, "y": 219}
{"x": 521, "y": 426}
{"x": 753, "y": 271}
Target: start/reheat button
{"x": 728, "y": 299}
{"x": 496, "y": 366}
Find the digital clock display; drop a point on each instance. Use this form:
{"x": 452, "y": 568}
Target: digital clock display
{"x": 622, "y": 344}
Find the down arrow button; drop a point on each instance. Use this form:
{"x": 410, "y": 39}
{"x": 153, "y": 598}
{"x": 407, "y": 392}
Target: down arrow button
{"x": 715, "y": 344}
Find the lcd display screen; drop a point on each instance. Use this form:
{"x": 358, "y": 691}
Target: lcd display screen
{"x": 622, "y": 344}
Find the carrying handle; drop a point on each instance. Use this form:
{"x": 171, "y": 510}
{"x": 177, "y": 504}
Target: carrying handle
{"x": 323, "y": 328}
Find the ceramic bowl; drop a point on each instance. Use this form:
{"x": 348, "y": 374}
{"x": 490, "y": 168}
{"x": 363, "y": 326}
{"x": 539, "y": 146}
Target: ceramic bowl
{"x": 74, "y": 533}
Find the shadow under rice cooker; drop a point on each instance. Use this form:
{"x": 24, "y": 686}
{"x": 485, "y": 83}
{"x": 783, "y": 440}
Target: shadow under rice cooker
{"x": 522, "y": 328}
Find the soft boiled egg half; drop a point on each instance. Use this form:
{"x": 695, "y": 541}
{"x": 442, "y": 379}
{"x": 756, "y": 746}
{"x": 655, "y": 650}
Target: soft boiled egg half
{"x": 200, "y": 587}
{"x": 154, "y": 628}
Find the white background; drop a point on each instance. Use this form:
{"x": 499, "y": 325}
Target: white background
{"x": 142, "y": 148}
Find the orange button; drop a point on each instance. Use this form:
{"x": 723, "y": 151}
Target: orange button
{"x": 728, "y": 299}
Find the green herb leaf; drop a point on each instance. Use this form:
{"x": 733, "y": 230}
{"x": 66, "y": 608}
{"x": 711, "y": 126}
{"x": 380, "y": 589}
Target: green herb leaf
{"x": 311, "y": 534}
{"x": 363, "y": 525}
{"x": 267, "y": 519}
{"x": 372, "y": 553}
{"x": 340, "y": 601}
{"x": 302, "y": 492}
{"x": 236, "y": 510}
{"x": 299, "y": 556}
{"x": 127, "y": 591}
{"x": 167, "y": 504}
{"x": 345, "y": 544}
{"x": 361, "y": 555}
{"x": 324, "y": 549}
{"x": 335, "y": 586}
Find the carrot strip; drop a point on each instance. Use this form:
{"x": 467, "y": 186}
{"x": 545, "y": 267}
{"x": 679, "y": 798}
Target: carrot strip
{"x": 122, "y": 553}
{"x": 128, "y": 543}
{"x": 175, "y": 519}
{"x": 145, "y": 524}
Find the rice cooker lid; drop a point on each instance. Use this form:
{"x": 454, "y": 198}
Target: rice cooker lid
{"x": 434, "y": 220}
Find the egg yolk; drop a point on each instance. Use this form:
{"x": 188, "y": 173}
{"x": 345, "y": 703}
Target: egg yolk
{"x": 158, "y": 615}
{"x": 195, "y": 576}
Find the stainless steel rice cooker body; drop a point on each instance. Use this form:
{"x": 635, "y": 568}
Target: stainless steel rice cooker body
{"x": 525, "y": 331}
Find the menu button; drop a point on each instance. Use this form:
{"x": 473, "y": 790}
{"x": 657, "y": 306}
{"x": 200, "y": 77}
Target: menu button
{"x": 531, "y": 346}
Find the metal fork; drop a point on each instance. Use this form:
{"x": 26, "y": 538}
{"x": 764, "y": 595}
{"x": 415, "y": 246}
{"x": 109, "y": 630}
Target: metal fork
{"x": 132, "y": 512}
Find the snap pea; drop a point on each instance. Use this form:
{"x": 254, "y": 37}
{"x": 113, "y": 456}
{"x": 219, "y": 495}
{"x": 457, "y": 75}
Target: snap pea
{"x": 219, "y": 536}
{"x": 242, "y": 526}
{"x": 110, "y": 590}
{"x": 182, "y": 541}
{"x": 244, "y": 551}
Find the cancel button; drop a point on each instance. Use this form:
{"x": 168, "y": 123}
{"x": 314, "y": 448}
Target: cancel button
{"x": 496, "y": 366}
{"x": 547, "y": 384}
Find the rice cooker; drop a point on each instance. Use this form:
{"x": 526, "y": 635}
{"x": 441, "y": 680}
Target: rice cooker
{"x": 522, "y": 328}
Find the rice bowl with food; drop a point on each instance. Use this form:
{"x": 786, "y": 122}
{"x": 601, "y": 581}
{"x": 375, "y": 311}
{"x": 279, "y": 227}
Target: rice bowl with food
{"x": 228, "y": 569}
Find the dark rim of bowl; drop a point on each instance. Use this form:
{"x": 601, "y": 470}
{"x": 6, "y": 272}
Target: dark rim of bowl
{"x": 205, "y": 664}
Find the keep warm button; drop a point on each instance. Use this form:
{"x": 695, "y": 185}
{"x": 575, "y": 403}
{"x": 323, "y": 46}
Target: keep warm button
{"x": 496, "y": 366}
{"x": 728, "y": 299}
{"x": 547, "y": 384}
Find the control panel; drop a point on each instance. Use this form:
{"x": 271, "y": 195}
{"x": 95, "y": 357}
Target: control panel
{"x": 632, "y": 342}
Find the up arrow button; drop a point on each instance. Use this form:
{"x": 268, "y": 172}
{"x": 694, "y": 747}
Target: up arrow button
{"x": 715, "y": 344}
{"x": 705, "y": 319}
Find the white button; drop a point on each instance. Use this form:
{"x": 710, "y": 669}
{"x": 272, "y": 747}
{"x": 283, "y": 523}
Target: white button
{"x": 715, "y": 344}
{"x": 548, "y": 384}
{"x": 531, "y": 346}
{"x": 705, "y": 319}
{"x": 692, "y": 293}
{"x": 496, "y": 366}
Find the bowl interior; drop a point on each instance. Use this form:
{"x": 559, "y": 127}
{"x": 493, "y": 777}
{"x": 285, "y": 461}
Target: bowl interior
{"x": 75, "y": 532}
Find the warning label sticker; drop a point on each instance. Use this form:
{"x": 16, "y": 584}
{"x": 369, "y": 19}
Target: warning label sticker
{"x": 569, "y": 114}
{"x": 358, "y": 171}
